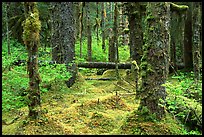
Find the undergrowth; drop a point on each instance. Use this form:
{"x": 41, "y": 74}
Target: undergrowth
{"x": 109, "y": 114}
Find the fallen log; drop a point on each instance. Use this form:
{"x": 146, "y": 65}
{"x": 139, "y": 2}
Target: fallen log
{"x": 108, "y": 65}
{"x": 100, "y": 79}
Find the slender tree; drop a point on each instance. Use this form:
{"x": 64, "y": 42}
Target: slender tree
{"x": 178, "y": 13}
{"x": 89, "y": 35}
{"x": 77, "y": 18}
{"x": 154, "y": 62}
{"x": 81, "y": 27}
{"x": 136, "y": 34}
{"x": 7, "y": 29}
{"x": 31, "y": 30}
{"x": 115, "y": 32}
{"x": 113, "y": 38}
{"x": 188, "y": 58}
{"x": 97, "y": 23}
{"x": 103, "y": 26}
{"x": 196, "y": 39}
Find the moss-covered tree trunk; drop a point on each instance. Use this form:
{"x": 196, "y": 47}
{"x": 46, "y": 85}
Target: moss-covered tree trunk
{"x": 103, "y": 26}
{"x": 113, "y": 38}
{"x": 115, "y": 33}
{"x": 7, "y": 29}
{"x": 111, "y": 48}
{"x": 97, "y": 22}
{"x": 81, "y": 27}
{"x": 63, "y": 37}
{"x": 196, "y": 39}
{"x": 76, "y": 15}
{"x": 188, "y": 58}
{"x": 177, "y": 38}
{"x": 31, "y": 30}
{"x": 178, "y": 13}
{"x": 89, "y": 35}
{"x": 136, "y": 33}
{"x": 154, "y": 64}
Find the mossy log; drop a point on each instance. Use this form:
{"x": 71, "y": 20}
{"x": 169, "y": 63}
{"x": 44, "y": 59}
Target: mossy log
{"x": 109, "y": 65}
{"x": 100, "y": 65}
{"x": 111, "y": 78}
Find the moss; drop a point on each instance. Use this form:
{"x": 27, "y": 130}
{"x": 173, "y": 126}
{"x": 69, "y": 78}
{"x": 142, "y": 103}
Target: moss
{"x": 134, "y": 125}
{"x": 31, "y": 26}
{"x": 178, "y": 8}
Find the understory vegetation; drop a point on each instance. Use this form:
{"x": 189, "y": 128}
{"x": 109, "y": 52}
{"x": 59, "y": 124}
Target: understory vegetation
{"x": 93, "y": 106}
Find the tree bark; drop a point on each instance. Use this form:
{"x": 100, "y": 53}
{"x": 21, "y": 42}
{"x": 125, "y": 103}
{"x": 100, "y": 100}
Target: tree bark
{"x": 89, "y": 35}
{"x": 196, "y": 40}
{"x": 7, "y": 30}
{"x": 154, "y": 64}
{"x": 97, "y": 23}
{"x": 136, "y": 33}
{"x": 103, "y": 26}
{"x": 31, "y": 40}
{"x": 81, "y": 28}
{"x": 63, "y": 37}
{"x": 188, "y": 58}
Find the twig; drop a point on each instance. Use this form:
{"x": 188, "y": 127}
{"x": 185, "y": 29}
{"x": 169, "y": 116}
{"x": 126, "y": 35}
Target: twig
{"x": 128, "y": 82}
{"x": 122, "y": 88}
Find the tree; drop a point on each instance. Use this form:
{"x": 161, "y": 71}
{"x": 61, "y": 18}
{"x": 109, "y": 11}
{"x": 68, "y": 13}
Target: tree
{"x": 89, "y": 34}
{"x": 103, "y": 14}
{"x": 196, "y": 39}
{"x": 63, "y": 38}
{"x": 154, "y": 62}
{"x": 7, "y": 29}
{"x": 16, "y": 17}
{"x": 188, "y": 58}
{"x": 77, "y": 18}
{"x": 31, "y": 30}
{"x": 136, "y": 33}
{"x": 81, "y": 27}
{"x": 97, "y": 23}
{"x": 178, "y": 13}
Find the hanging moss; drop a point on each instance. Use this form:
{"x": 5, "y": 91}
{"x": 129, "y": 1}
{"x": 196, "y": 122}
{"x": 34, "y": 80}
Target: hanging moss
{"x": 178, "y": 8}
{"x": 32, "y": 25}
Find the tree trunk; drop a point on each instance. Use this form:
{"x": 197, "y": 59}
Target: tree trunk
{"x": 77, "y": 19}
{"x": 154, "y": 63}
{"x": 81, "y": 28}
{"x": 115, "y": 36}
{"x": 177, "y": 35}
{"x": 136, "y": 33}
{"x": 97, "y": 23}
{"x": 89, "y": 35}
{"x": 188, "y": 58}
{"x": 63, "y": 40}
{"x": 7, "y": 30}
{"x": 31, "y": 40}
{"x": 196, "y": 40}
{"x": 103, "y": 26}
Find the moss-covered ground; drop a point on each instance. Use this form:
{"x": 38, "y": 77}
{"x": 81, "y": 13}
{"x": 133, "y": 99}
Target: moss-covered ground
{"x": 89, "y": 107}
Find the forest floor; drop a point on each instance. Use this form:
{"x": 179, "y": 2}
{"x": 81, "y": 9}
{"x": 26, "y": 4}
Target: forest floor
{"x": 89, "y": 107}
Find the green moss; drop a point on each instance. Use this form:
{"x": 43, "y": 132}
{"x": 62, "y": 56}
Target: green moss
{"x": 178, "y": 8}
{"x": 31, "y": 26}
